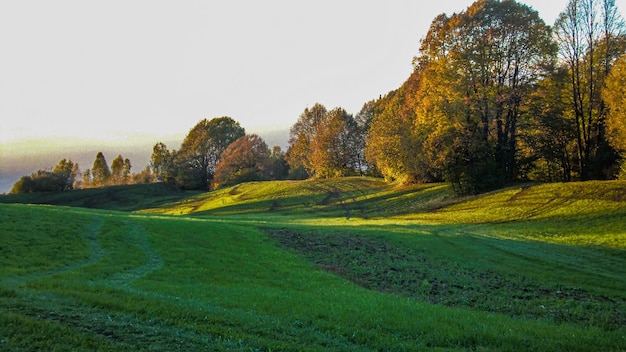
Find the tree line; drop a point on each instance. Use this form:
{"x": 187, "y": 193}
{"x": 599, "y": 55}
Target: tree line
{"x": 496, "y": 96}
{"x": 217, "y": 152}
{"x": 66, "y": 176}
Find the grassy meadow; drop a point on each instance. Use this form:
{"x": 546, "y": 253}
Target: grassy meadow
{"x": 350, "y": 264}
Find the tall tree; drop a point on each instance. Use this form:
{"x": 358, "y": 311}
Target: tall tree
{"x": 489, "y": 56}
{"x": 117, "y": 167}
{"x": 100, "y": 173}
{"x": 588, "y": 32}
{"x": 300, "y": 136}
{"x": 363, "y": 121}
{"x": 390, "y": 144}
{"x": 615, "y": 97}
{"x": 200, "y": 152}
{"x": 162, "y": 163}
{"x": 333, "y": 147}
{"x": 548, "y": 146}
{"x": 126, "y": 174}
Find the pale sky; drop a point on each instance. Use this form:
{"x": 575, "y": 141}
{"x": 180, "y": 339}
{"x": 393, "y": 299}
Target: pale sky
{"x": 117, "y": 70}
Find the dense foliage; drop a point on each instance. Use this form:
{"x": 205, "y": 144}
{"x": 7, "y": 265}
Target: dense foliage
{"x": 496, "y": 96}
{"x": 246, "y": 159}
{"x": 490, "y": 102}
{"x": 327, "y": 143}
{"x": 61, "y": 178}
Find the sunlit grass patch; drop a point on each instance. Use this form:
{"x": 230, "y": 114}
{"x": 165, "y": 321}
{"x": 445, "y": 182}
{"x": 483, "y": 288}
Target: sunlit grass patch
{"x": 535, "y": 202}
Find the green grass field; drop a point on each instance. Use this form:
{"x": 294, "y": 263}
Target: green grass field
{"x": 340, "y": 265}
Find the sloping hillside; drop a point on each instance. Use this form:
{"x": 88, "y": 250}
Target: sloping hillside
{"x": 353, "y": 197}
{"x": 123, "y": 198}
{"x": 345, "y": 264}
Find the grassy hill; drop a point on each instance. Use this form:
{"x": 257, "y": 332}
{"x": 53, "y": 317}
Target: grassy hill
{"x": 346, "y": 264}
{"x": 122, "y": 198}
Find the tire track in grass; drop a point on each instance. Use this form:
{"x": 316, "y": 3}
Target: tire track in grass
{"x": 136, "y": 236}
{"x": 95, "y": 254}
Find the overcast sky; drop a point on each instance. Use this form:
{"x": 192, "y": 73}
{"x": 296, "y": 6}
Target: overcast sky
{"x": 118, "y": 70}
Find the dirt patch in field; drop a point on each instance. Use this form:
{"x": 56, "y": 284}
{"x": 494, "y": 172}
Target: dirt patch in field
{"x": 377, "y": 264}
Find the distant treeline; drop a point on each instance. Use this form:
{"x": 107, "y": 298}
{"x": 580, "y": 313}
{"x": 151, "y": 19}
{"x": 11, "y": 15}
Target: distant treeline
{"x": 496, "y": 96}
{"x": 66, "y": 175}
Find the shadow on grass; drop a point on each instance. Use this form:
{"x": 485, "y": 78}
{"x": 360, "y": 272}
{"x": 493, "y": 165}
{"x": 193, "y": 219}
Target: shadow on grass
{"x": 334, "y": 201}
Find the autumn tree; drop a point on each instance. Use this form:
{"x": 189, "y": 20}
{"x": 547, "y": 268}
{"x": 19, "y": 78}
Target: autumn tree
{"x": 589, "y": 34}
{"x": 200, "y": 152}
{"x": 246, "y": 159}
{"x": 615, "y": 97}
{"x": 363, "y": 122}
{"x": 488, "y": 59}
{"x": 144, "y": 176}
{"x": 126, "y": 173}
{"x": 392, "y": 143}
{"x": 85, "y": 180}
{"x": 300, "y": 137}
{"x": 333, "y": 148}
{"x": 100, "y": 172}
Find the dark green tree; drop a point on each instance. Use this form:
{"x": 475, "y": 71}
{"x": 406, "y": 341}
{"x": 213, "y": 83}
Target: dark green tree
{"x": 279, "y": 168}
